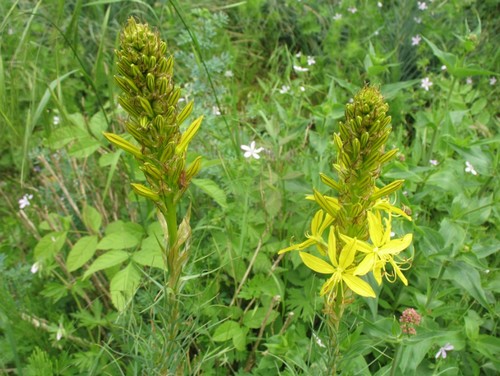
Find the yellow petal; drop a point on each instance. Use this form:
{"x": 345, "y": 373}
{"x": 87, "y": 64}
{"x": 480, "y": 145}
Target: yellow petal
{"x": 316, "y": 264}
{"x": 366, "y": 265}
{"x": 388, "y": 208}
{"x": 295, "y": 247}
{"x": 328, "y": 285}
{"x": 375, "y": 228}
{"x": 359, "y": 286}
{"x": 360, "y": 245}
{"x": 399, "y": 272}
{"x": 397, "y": 245}
{"x": 347, "y": 254}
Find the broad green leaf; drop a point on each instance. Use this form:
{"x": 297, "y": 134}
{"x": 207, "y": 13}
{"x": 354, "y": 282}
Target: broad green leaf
{"x": 50, "y": 245}
{"x": 92, "y": 218}
{"x": 106, "y": 260}
{"x": 240, "y": 339}
{"x": 255, "y": 318}
{"x": 226, "y": 331}
{"x": 118, "y": 241}
{"x": 446, "y": 58}
{"x": 212, "y": 189}
{"x": 98, "y": 124}
{"x": 123, "y": 286}
{"x": 150, "y": 257}
{"x": 81, "y": 252}
{"x": 62, "y": 136}
{"x": 131, "y": 228}
{"x": 389, "y": 91}
{"x": 84, "y": 147}
{"x": 468, "y": 279}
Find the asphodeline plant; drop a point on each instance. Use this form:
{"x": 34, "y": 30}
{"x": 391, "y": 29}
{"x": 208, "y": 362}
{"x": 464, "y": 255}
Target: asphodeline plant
{"x": 145, "y": 75}
{"x": 352, "y": 232}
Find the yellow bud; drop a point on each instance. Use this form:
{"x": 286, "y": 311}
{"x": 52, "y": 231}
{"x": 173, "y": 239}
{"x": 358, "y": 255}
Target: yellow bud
{"x": 146, "y": 106}
{"x": 188, "y": 135}
{"x": 123, "y": 144}
{"x": 186, "y": 111}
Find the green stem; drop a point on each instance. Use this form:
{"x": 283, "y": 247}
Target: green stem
{"x": 395, "y": 360}
{"x": 171, "y": 218}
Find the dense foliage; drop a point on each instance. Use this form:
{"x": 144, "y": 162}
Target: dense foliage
{"x": 83, "y": 287}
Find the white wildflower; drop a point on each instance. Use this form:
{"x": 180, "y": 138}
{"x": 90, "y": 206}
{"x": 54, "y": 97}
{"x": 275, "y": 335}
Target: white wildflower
{"x": 442, "y": 351}
{"x": 470, "y": 168}
{"x": 426, "y": 83}
{"x": 24, "y": 201}
{"x": 251, "y": 151}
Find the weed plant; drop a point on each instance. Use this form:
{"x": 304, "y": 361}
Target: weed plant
{"x": 85, "y": 284}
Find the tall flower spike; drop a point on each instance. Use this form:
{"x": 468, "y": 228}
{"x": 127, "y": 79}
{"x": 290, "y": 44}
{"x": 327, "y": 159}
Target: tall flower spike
{"x": 145, "y": 75}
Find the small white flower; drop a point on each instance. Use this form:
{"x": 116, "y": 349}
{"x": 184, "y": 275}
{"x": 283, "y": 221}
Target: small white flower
{"x": 215, "y": 111}
{"x": 297, "y": 68}
{"x": 426, "y": 83}
{"x": 376, "y": 32}
{"x": 487, "y": 271}
{"x": 24, "y": 201}
{"x": 468, "y": 81}
{"x": 405, "y": 193}
{"x": 337, "y": 17}
{"x": 422, "y": 5}
{"x": 298, "y": 55}
{"x": 442, "y": 351}
{"x": 352, "y": 10}
{"x": 284, "y": 89}
{"x": 470, "y": 168}
{"x": 251, "y": 151}
{"x": 60, "y": 332}
{"x": 35, "y": 267}
{"x": 392, "y": 234}
{"x": 228, "y": 74}
{"x": 443, "y": 67}
{"x": 302, "y": 88}
{"x": 351, "y": 100}
{"x": 318, "y": 340}
{"x": 415, "y": 41}
{"x": 10, "y": 31}
{"x": 433, "y": 162}
{"x": 493, "y": 81}
{"x": 311, "y": 60}
{"x": 379, "y": 4}
{"x": 56, "y": 120}
{"x": 417, "y": 20}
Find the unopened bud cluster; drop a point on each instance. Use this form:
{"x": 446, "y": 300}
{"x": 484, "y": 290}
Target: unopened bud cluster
{"x": 360, "y": 154}
{"x": 145, "y": 74}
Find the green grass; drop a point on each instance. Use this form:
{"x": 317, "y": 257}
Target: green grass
{"x": 57, "y": 60}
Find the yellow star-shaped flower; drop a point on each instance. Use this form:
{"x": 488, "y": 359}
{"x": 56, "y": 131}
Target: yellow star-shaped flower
{"x": 342, "y": 270}
{"x": 382, "y": 250}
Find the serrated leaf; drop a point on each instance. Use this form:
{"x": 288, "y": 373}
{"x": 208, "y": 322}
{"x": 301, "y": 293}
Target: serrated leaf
{"x": 226, "y": 331}
{"x": 82, "y": 251}
{"x": 212, "y": 189}
{"x": 123, "y": 286}
{"x": 106, "y": 260}
{"x": 117, "y": 240}
{"x": 50, "y": 245}
{"x": 92, "y": 218}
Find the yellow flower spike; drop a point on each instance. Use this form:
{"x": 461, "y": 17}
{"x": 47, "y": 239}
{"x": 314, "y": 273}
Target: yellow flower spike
{"x": 387, "y": 190}
{"x": 341, "y": 270}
